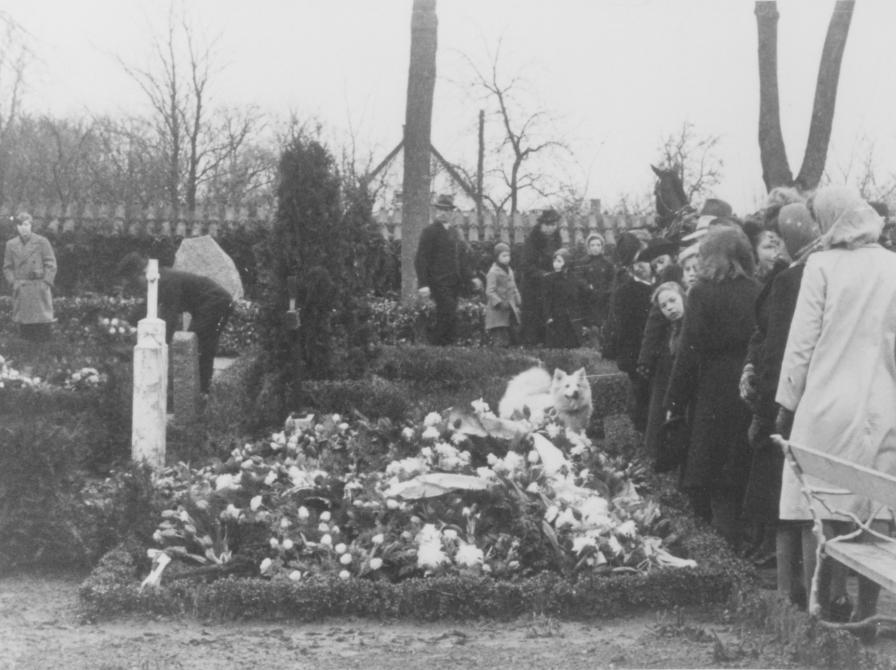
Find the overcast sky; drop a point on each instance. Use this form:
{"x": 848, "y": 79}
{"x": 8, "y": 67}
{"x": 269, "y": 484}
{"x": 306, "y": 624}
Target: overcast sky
{"x": 616, "y": 75}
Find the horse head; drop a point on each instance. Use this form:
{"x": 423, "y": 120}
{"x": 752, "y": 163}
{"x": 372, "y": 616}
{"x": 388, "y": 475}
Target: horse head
{"x": 670, "y": 196}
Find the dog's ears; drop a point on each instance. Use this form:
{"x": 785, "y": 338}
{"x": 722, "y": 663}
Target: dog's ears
{"x": 559, "y": 374}
{"x": 581, "y": 373}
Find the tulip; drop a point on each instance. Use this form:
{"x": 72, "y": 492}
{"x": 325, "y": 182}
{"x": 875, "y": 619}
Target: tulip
{"x": 344, "y": 575}
{"x": 288, "y": 544}
{"x": 295, "y": 575}
{"x": 340, "y": 548}
{"x": 327, "y": 540}
{"x": 265, "y": 565}
{"x": 284, "y": 523}
{"x": 391, "y": 503}
{"x": 377, "y": 539}
{"x": 274, "y": 543}
{"x": 376, "y": 563}
{"x": 345, "y": 559}
{"x": 303, "y": 513}
{"x": 325, "y": 516}
{"x": 255, "y": 503}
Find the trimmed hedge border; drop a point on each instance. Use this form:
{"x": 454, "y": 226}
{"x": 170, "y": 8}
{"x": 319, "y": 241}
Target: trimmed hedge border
{"x": 113, "y": 589}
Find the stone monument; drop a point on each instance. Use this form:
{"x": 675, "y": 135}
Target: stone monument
{"x": 150, "y": 400}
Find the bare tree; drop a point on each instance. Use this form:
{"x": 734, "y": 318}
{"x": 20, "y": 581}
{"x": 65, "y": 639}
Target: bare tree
{"x": 417, "y": 131}
{"x": 194, "y": 137}
{"x": 14, "y": 58}
{"x": 525, "y": 135}
{"x": 693, "y": 158}
{"x": 775, "y": 168}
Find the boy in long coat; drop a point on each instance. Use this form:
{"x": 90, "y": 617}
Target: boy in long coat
{"x": 502, "y": 307}
{"x": 29, "y": 266}
{"x": 538, "y": 260}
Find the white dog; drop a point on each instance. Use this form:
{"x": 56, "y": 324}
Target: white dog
{"x": 534, "y": 389}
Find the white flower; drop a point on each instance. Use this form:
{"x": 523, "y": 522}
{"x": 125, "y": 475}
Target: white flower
{"x": 533, "y": 488}
{"x": 485, "y": 473}
{"x": 232, "y": 511}
{"x": 323, "y": 528}
{"x": 430, "y": 555}
{"x": 431, "y": 433}
{"x": 274, "y": 543}
{"x": 377, "y": 539}
{"x": 627, "y": 529}
{"x": 340, "y": 548}
{"x": 533, "y": 457}
{"x": 265, "y": 565}
{"x": 344, "y": 575}
{"x": 285, "y": 523}
{"x": 157, "y": 537}
{"x": 392, "y": 503}
{"x": 327, "y": 540}
{"x": 480, "y": 406}
{"x": 407, "y": 434}
{"x": 270, "y": 478}
{"x": 376, "y": 563}
{"x": 226, "y": 482}
{"x": 426, "y": 452}
{"x": 428, "y": 534}
{"x": 336, "y": 418}
{"x": 325, "y": 516}
{"x": 345, "y": 559}
{"x": 615, "y": 547}
{"x": 295, "y": 575}
{"x": 288, "y": 544}
{"x": 491, "y": 459}
{"x": 551, "y": 513}
{"x": 334, "y": 530}
{"x": 432, "y": 419}
{"x": 469, "y": 555}
{"x": 458, "y": 438}
{"x": 255, "y": 503}
{"x": 581, "y": 542}
{"x": 566, "y": 519}
{"x": 303, "y": 513}
{"x": 449, "y": 533}
{"x": 553, "y": 430}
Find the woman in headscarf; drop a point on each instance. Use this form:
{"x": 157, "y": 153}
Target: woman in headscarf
{"x": 718, "y": 322}
{"x": 837, "y": 386}
{"x": 537, "y": 263}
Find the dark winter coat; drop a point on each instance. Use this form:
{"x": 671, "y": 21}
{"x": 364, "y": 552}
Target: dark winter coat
{"x": 203, "y": 298}
{"x": 754, "y": 349}
{"x": 561, "y": 314}
{"x": 718, "y": 322}
{"x": 442, "y": 260}
{"x": 657, "y": 359}
{"x": 537, "y": 262}
{"x": 631, "y": 305}
{"x": 595, "y": 274}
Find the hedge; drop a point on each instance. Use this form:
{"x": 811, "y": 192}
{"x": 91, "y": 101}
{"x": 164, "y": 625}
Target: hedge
{"x": 112, "y": 589}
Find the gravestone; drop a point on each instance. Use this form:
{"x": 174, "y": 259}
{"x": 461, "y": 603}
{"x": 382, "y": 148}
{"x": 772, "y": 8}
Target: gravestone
{"x": 150, "y": 398}
{"x": 203, "y": 256}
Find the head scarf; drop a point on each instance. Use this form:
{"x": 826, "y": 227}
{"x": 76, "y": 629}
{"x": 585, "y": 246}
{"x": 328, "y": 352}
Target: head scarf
{"x": 797, "y": 227}
{"x": 845, "y": 219}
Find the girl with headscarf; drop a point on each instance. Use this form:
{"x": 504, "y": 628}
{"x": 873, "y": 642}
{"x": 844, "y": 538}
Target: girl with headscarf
{"x": 595, "y": 272}
{"x": 718, "y": 322}
{"x": 837, "y": 386}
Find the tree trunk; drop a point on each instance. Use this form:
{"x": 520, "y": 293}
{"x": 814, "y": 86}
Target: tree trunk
{"x": 773, "y": 154}
{"x": 480, "y": 167}
{"x": 417, "y": 129}
{"x": 825, "y": 96}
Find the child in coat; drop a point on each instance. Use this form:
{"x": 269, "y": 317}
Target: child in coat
{"x": 502, "y": 307}
{"x": 562, "y": 319}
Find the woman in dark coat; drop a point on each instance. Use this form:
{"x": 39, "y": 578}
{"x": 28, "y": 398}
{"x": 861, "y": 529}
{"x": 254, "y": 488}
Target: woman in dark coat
{"x": 538, "y": 259}
{"x": 717, "y": 326}
{"x": 595, "y": 272}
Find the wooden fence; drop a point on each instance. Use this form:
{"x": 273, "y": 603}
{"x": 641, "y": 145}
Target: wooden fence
{"x": 210, "y": 220}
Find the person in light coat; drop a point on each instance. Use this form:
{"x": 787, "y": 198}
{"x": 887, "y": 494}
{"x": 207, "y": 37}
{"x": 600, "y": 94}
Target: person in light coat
{"x": 837, "y": 388}
{"x": 502, "y": 307}
{"x": 29, "y": 267}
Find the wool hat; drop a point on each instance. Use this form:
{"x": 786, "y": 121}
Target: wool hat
{"x": 797, "y": 227}
{"x": 500, "y": 248}
{"x": 595, "y": 236}
{"x": 627, "y": 247}
{"x": 445, "y": 202}
{"x": 563, "y": 253}
{"x": 549, "y": 216}
{"x": 688, "y": 252}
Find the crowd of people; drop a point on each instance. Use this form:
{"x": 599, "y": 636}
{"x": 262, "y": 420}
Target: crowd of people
{"x": 730, "y": 331}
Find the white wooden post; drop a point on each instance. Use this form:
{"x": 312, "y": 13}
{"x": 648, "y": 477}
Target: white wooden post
{"x": 150, "y": 379}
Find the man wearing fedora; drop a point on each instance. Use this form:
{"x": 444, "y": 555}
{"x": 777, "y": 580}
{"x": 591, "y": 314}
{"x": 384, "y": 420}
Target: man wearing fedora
{"x": 443, "y": 270}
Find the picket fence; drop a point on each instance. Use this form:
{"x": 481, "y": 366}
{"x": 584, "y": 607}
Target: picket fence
{"x": 217, "y": 220}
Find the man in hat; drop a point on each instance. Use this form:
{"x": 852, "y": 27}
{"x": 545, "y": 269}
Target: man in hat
{"x": 713, "y": 208}
{"x": 443, "y": 270}
{"x": 538, "y": 262}
{"x": 29, "y": 267}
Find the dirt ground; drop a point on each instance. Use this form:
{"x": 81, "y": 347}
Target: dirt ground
{"x": 40, "y": 628}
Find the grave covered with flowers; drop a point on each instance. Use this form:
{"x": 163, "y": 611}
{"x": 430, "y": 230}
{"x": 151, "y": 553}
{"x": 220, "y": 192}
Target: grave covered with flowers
{"x": 332, "y": 504}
